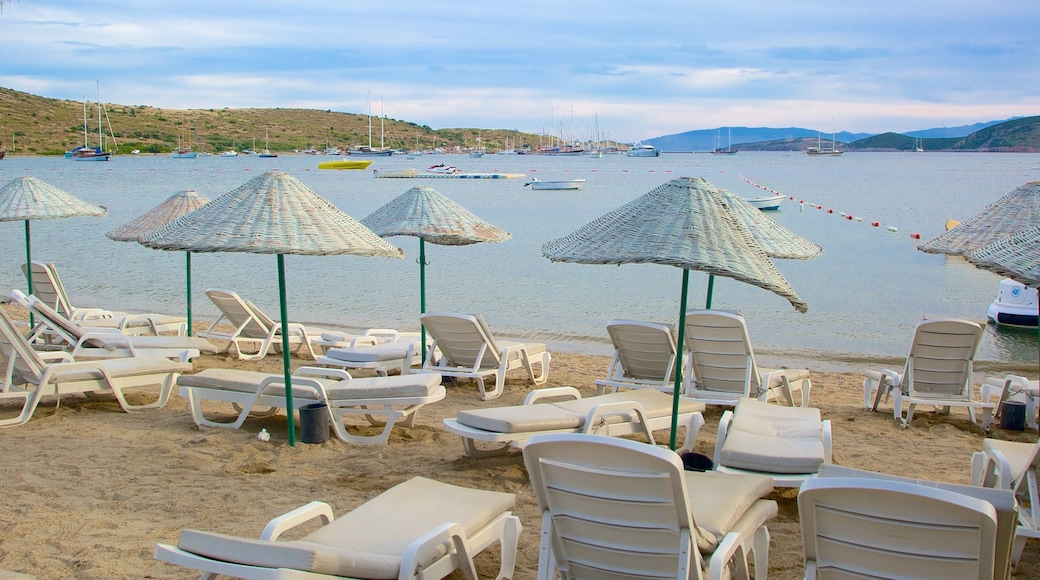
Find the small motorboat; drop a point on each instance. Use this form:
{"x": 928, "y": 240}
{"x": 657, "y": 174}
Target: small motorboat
{"x": 442, "y": 168}
{"x": 767, "y": 203}
{"x": 556, "y": 184}
{"x": 1015, "y": 305}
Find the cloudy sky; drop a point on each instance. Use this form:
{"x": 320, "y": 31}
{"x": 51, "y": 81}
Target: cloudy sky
{"x": 635, "y": 70}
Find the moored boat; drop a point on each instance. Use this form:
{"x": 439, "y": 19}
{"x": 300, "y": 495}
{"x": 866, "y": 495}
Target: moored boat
{"x": 442, "y": 168}
{"x": 556, "y": 184}
{"x": 766, "y": 203}
{"x": 647, "y": 150}
{"x": 1015, "y": 305}
{"x": 344, "y": 164}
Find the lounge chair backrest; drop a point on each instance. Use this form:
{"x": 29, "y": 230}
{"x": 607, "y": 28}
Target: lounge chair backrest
{"x": 50, "y": 315}
{"x": 646, "y": 350}
{"x": 941, "y": 357}
{"x": 462, "y": 339}
{"x": 47, "y": 287}
{"x": 261, "y": 315}
{"x": 21, "y": 359}
{"x": 860, "y": 527}
{"x": 720, "y": 353}
{"x": 617, "y": 508}
{"x": 238, "y": 313}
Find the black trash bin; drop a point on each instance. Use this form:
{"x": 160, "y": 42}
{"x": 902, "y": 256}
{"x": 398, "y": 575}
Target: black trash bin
{"x": 1013, "y": 416}
{"x": 314, "y": 423}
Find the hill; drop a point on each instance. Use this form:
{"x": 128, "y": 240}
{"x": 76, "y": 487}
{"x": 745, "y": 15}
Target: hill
{"x": 37, "y": 125}
{"x": 1019, "y": 135}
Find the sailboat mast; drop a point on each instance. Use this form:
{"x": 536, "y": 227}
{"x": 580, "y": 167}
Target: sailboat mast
{"x": 100, "y": 133}
{"x": 381, "y": 119}
{"x": 370, "y": 119}
{"x": 84, "y": 121}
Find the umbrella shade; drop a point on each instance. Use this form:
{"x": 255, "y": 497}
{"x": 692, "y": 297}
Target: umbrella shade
{"x": 425, "y": 213}
{"x": 687, "y": 223}
{"x": 272, "y": 214}
{"x": 1016, "y": 256}
{"x": 1013, "y": 212}
{"x": 29, "y": 198}
{"x": 174, "y": 207}
{"x": 774, "y": 239}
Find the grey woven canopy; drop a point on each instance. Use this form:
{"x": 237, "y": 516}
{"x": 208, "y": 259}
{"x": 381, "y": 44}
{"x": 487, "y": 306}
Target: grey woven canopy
{"x": 273, "y": 213}
{"x": 1015, "y": 211}
{"x": 29, "y": 198}
{"x": 774, "y": 239}
{"x": 686, "y": 223}
{"x": 1016, "y": 256}
{"x": 425, "y": 213}
{"x": 172, "y": 208}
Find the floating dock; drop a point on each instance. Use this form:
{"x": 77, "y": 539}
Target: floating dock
{"x": 416, "y": 174}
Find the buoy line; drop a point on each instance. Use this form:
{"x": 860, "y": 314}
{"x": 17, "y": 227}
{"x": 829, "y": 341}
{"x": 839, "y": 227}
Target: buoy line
{"x": 801, "y": 202}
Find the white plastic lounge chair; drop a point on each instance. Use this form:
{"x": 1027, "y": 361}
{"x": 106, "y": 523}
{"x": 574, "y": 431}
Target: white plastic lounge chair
{"x": 1012, "y": 388}
{"x": 875, "y": 528}
{"x": 382, "y": 401}
{"x": 48, "y": 288}
{"x": 614, "y": 508}
{"x": 938, "y": 372}
{"x": 54, "y": 330}
{"x": 253, "y": 327}
{"x": 1003, "y": 501}
{"x": 722, "y": 368}
{"x": 402, "y": 352}
{"x": 31, "y": 375}
{"x": 1010, "y": 465}
{"x": 625, "y": 413}
{"x": 788, "y": 444}
{"x": 644, "y": 357}
{"x": 464, "y": 347}
{"x": 417, "y": 529}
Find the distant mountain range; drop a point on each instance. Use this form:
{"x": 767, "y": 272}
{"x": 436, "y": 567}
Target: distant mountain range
{"x": 796, "y": 138}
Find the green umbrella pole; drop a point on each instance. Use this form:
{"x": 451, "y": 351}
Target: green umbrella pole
{"x": 286, "y": 368}
{"x": 711, "y": 290}
{"x": 187, "y": 264}
{"x": 422, "y": 295}
{"x": 676, "y": 392}
{"x": 28, "y": 267}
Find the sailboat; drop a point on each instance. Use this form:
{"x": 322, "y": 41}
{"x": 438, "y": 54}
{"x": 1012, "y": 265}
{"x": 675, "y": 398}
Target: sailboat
{"x": 183, "y": 150}
{"x": 267, "y": 143}
{"x": 369, "y": 151}
{"x": 819, "y": 151}
{"x": 919, "y": 145}
{"x": 86, "y": 153}
{"x": 728, "y": 150}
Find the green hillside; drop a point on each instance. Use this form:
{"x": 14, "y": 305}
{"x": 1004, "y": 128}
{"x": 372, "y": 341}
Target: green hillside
{"x": 35, "y": 125}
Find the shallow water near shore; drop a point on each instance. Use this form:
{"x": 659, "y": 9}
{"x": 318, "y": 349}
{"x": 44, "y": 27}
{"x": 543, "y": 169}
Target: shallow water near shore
{"x": 865, "y": 292}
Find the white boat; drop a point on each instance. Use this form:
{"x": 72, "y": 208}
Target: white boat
{"x": 556, "y": 184}
{"x": 1015, "y": 305}
{"x": 819, "y": 151}
{"x": 638, "y": 150}
{"x": 267, "y": 144}
{"x": 766, "y": 203}
{"x": 445, "y": 169}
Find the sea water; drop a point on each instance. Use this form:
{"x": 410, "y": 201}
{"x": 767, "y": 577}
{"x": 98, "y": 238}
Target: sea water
{"x": 865, "y": 292}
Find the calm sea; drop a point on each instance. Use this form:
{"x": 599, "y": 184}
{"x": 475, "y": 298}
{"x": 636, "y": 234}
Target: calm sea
{"x": 865, "y": 292}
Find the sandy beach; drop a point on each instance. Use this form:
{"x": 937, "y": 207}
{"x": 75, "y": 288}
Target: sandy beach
{"x": 90, "y": 490}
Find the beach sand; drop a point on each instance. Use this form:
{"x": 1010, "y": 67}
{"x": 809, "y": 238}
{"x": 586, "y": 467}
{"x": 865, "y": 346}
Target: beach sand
{"x": 89, "y": 490}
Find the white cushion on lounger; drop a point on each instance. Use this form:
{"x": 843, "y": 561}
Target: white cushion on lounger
{"x": 774, "y": 439}
{"x": 719, "y": 500}
{"x": 396, "y": 350}
{"x": 236, "y": 380}
{"x": 568, "y": 414}
{"x": 367, "y": 542}
{"x": 412, "y": 385}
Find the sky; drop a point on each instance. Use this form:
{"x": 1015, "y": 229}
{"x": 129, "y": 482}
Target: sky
{"x": 574, "y": 68}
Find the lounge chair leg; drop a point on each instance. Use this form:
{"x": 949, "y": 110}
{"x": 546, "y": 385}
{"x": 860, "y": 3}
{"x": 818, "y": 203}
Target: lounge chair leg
{"x": 761, "y": 550}
{"x": 510, "y": 540}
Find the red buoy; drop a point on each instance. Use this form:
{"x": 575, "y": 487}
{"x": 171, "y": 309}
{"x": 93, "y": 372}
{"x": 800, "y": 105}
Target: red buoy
{"x": 915, "y": 236}
{"x": 848, "y": 217}
{"x": 830, "y": 211}
{"x": 875, "y": 224}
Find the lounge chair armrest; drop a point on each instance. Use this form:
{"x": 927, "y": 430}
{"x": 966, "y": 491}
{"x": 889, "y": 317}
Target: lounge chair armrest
{"x": 287, "y": 521}
{"x": 385, "y": 334}
{"x": 729, "y": 548}
{"x": 56, "y": 356}
{"x": 720, "y": 438}
{"x": 618, "y": 408}
{"x": 825, "y": 435}
{"x": 1004, "y": 475}
{"x": 539, "y": 394}
{"x": 113, "y": 340}
{"x": 339, "y": 374}
{"x": 427, "y": 547}
{"x": 79, "y": 314}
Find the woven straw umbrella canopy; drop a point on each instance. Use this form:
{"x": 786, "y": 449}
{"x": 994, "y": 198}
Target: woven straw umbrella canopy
{"x": 427, "y": 214}
{"x": 1013, "y": 212}
{"x": 273, "y": 213}
{"x": 774, "y": 239}
{"x": 29, "y": 198}
{"x": 1016, "y": 256}
{"x": 174, "y": 207}
{"x": 686, "y": 223}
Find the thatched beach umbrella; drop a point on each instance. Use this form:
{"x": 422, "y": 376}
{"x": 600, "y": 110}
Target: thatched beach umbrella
{"x": 272, "y": 214}
{"x": 1015, "y": 211}
{"x": 1016, "y": 256}
{"x": 686, "y": 223}
{"x": 174, "y": 207}
{"x": 29, "y": 198}
{"x": 425, "y": 213}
